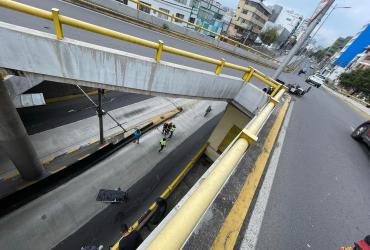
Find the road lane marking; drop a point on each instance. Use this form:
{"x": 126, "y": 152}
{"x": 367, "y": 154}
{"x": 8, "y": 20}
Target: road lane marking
{"x": 251, "y": 234}
{"x": 228, "y": 234}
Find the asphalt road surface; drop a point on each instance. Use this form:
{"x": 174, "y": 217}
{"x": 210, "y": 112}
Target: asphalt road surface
{"x": 40, "y": 118}
{"x": 320, "y": 197}
{"x": 104, "y": 229}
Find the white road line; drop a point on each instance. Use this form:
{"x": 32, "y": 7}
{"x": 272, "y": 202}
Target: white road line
{"x": 254, "y": 226}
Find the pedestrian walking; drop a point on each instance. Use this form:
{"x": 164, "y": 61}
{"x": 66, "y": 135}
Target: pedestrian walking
{"x": 173, "y": 128}
{"x": 169, "y": 126}
{"x": 165, "y": 126}
{"x": 137, "y": 135}
{"x": 130, "y": 240}
{"x": 162, "y": 143}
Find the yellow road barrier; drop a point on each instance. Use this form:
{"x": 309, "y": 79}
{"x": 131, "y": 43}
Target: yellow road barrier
{"x": 179, "y": 227}
{"x": 139, "y": 223}
{"x": 59, "y": 20}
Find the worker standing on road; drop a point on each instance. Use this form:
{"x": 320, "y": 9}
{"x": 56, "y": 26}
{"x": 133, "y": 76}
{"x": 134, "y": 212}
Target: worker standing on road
{"x": 162, "y": 143}
{"x": 173, "y": 128}
{"x": 137, "y": 135}
{"x": 169, "y": 126}
{"x": 130, "y": 240}
{"x": 165, "y": 125}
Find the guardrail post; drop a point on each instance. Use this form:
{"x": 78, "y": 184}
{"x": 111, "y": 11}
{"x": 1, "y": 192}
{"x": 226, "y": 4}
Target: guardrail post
{"x": 57, "y": 24}
{"x": 138, "y": 5}
{"x": 159, "y": 51}
{"x": 172, "y": 18}
{"x": 248, "y": 75}
{"x": 219, "y": 67}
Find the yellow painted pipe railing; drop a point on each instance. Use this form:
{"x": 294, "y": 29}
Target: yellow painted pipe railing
{"x": 139, "y": 223}
{"x": 60, "y": 20}
{"x": 178, "y": 228}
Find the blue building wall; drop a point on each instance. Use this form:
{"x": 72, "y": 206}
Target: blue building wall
{"x": 357, "y": 46}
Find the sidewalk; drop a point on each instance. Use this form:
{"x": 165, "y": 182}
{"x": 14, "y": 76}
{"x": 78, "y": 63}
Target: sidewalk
{"x": 356, "y": 105}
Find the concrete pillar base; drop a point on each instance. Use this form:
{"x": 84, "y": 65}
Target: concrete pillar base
{"x": 14, "y": 140}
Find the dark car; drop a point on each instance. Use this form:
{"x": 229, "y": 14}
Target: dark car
{"x": 362, "y": 133}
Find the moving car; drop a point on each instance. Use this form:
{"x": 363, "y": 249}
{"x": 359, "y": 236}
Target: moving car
{"x": 297, "y": 90}
{"x": 362, "y": 133}
{"x": 316, "y": 80}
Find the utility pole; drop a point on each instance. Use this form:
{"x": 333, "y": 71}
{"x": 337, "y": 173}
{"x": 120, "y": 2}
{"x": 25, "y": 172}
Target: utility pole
{"x": 100, "y": 115}
{"x": 304, "y": 37}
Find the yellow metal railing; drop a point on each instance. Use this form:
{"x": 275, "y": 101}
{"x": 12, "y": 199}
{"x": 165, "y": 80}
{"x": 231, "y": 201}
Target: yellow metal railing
{"x": 177, "y": 229}
{"x": 59, "y": 20}
{"x": 166, "y": 193}
{"x": 198, "y": 28}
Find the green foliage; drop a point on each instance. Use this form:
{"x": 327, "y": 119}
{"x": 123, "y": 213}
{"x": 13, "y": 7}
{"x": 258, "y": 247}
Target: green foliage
{"x": 165, "y": 26}
{"x": 356, "y": 80}
{"x": 269, "y": 36}
{"x": 319, "y": 55}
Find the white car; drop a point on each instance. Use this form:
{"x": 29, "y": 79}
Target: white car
{"x": 316, "y": 80}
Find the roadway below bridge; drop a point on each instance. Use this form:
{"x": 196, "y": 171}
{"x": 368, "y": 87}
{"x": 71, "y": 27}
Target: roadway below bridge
{"x": 319, "y": 197}
{"x": 40, "y": 118}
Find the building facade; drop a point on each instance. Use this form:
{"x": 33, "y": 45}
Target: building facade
{"x": 361, "y": 61}
{"x": 289, "y": 19}
{"x": 275, "y": 12}
{"x": 209, "y": 14}
{"x": 342, "y": 59}
{"x": 249, "y": 19}
{"x": 355, "y": 46}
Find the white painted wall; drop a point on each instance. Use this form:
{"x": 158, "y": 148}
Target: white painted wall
{"x": 288, "y": 19}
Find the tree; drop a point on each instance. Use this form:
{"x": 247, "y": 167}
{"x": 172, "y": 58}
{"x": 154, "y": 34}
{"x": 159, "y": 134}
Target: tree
{"x": 319, "y": 55}
{"x": 357, "y": 81}
{"x": 269, "y": 36}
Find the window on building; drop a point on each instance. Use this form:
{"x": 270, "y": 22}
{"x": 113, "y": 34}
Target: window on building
{"x": 163, "y": 16}
{"x": 182, "y": 1}
{"x": 367, "y": 58}
{"x": 192, "y": 19}
{"x": 181, "y": 16}
{"x": 144, "y": 8}
{"x": 289, "y": 19}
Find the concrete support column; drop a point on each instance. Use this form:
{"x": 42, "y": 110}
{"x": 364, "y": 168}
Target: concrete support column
{"x": 14, "y": 140}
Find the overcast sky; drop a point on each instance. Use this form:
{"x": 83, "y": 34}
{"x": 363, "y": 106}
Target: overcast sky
{"x": 342, "y": 22}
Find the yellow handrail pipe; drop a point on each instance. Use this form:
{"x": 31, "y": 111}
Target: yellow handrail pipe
{"x": 178, "y": 228}
{"x": 159, "y": 47}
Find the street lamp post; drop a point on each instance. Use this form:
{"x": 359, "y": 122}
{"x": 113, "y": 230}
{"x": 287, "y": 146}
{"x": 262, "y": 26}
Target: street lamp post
{"x": 327, "y": 16}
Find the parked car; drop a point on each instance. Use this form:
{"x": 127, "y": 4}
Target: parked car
{"x": 362, "y": 133}
{"x": 316, "y": 80}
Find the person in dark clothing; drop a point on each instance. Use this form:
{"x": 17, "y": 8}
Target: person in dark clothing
{"x": 160, "y": 212}
{"x": 130, "y": 240}
{"x": 137, "y": 135}
{"x": 165, "y": 125}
